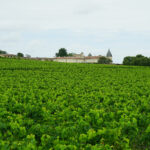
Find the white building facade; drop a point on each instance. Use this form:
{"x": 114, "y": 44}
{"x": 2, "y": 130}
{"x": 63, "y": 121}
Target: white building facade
{"x": 90, "y": 59}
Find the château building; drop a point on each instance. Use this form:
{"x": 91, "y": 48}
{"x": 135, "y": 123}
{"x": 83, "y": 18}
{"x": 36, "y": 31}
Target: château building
{"x": 81, "y": 58}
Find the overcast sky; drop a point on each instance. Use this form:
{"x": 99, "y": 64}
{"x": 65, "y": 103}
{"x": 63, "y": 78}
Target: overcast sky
{"x": 41, "y": 27}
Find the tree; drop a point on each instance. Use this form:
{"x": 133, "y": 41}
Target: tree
{"x": 138, "y": 60}
{"x": 128, "y": 60}
{"x": 104, "y": 60}
{"x": 3, "y": 52}
{"x": 89, "y": 54}
{"x": 62, "y": 53}
{"x": 139, "y": 56}
{"x": 20, "y": 55}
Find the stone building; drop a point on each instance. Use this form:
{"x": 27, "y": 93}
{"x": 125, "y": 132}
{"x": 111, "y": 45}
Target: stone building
{"x": 79, "y": 55}
{"x": 92, "y": 59}
{"x": 80, "y": 58}
{"x": 8, "y": 55}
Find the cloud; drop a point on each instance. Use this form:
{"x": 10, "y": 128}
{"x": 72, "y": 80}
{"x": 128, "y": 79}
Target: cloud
{"x": 72, "y": 14}
{"x": 75, "y": 24}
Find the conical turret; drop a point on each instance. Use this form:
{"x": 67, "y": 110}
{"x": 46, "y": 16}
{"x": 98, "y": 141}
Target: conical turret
{"x": 108, "y": 53}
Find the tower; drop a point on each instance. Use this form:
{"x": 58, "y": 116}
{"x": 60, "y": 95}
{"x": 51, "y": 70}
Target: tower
{"x": 109, "y": 55}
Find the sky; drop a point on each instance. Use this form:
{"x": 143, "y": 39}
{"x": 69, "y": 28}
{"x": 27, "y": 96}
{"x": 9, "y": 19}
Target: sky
{"x": 41, "y": 27}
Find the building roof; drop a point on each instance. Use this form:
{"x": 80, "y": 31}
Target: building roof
{"x": 87, "y": 57}
{"x": 109, "y": 54}
{"x": 39, "y": 58}
{"x": 7, "y": 55}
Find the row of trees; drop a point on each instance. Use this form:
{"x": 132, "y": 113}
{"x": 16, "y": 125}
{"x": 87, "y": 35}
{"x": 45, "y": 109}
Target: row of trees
{"x": 138, "y": 60}
{"x": 18, "y": 54}
{"x": 3, "y": 52}
{"x": 63, "y": 53}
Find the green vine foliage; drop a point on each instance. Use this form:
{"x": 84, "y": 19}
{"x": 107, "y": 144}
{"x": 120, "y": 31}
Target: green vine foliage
{"x": 59, "y": 106}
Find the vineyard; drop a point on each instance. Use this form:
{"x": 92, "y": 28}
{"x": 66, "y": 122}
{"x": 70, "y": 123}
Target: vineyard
{"x": 58, "y": 106}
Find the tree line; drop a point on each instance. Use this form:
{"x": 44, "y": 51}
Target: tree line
{"x": 62, "y": 52}
{"x": 3, "y": 52}
{"x": 19, "y": 54}
{"x": 138, "y": 60}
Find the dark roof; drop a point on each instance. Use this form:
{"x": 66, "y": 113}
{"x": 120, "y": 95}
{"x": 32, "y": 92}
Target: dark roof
{"x": 109, "y": 53}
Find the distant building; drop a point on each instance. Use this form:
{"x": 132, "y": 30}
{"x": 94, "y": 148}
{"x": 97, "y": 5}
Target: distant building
{"x": 40, "y": 58}
{"x": 80, "y": 58}
{"x": 8, "y": 55}
{"x": 76, "y": 58}
{"x": 78, "y": 55}
{"x": 91, "y": 59}
{"x": 109, "y": 54}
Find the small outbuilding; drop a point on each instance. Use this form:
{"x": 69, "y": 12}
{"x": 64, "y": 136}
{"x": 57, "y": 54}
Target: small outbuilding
{"x": 8, "y": 55}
